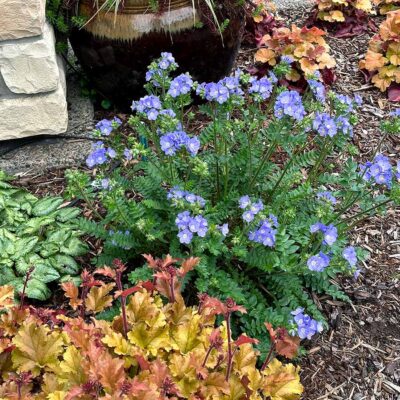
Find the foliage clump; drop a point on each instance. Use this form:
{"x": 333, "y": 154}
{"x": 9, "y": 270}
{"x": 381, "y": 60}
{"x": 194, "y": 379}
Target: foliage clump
{"x": 382, "y": 60}
{"x": 155, "y": 348}
{"x": 306, "y": 47}
{"x": 261, "y": 184}
{"x": 37, "y": 235}
{"x": 337, "y": 10}
{"x": 386, "y": 6}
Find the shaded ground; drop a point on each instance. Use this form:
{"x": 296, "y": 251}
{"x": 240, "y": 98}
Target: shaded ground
{"x": 358, "y": 358}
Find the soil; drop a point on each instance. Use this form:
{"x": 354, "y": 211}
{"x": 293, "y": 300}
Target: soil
{"x": 358, "y": 357}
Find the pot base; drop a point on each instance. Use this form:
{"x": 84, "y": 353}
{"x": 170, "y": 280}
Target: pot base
{"x": 117, "y": 68}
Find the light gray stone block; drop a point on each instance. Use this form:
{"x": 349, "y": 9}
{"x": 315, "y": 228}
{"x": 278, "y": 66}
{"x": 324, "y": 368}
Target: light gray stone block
{"x": 29, "y": 66}
{"x": 21, "y": 18}
{"x": 40, "y": 114}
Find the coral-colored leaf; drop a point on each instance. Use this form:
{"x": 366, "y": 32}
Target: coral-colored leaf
{"x": 285, "y": 344}
{"x": 72, "y": 292}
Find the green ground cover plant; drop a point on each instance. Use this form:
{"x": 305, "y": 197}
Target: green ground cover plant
{"x": 38, "y": 238}
{"x": 259, "y": 183}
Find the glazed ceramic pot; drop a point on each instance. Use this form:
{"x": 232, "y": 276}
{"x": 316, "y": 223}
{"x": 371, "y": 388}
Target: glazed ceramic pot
{"x": 115, "y": 49}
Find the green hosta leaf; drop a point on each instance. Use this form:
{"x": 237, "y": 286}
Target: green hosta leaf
{"x": 59, "y": 236}
{"x": 76, "y": 280}
{"x": 49, "y": 249}
{"x": 65, "y": 264}
{"x": 34, "y": 225}
{"x": 67, "y": 214}
{"x": 45, "y": 273}
{"x": 6, "y": 275}
{"x": 46, "y": 206}
{"x": 74, "y": 247}
{"x": 24, "y": 246}
{"x": 36, "y": 289}
{"x": 6, "y": 246}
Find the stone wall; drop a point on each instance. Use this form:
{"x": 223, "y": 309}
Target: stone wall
{"x": 32, "y": 76}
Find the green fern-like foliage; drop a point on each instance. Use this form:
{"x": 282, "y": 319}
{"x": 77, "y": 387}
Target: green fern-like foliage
{"x": 242, "y": 145}
{"x": 39, "y": 234}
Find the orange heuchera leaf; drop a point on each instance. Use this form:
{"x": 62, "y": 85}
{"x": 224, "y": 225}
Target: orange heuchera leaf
{"x": 282, "y": 382}
{"x": 285, "y": 345}
{"x": 110, "y": 371}
{"x": 266, "y": 56}
{"x": 188, "y": 265}
{"x": 72, "y": 292}
{"x": 106, "y": 271}
{"x": 99, "y": 298}
{"x": 6, "y": 296}
{"x": 374, "y": 61}
{"x": 243, "y": 339}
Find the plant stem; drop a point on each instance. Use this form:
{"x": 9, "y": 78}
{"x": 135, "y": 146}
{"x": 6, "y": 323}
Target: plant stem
{"x": 365, "y": 211}
{"x": 118, "y": 281}
{"x": 324, "y": 152}
{"x": 265, "y": 159}
{"x": 89, "y": 202}
{"x": 268, "y": 359}
{"x": 228, "y": 328}
{"x": 216, "y": 152}
{"x": 27, "y": 278}
{"x": 207, "y": 355}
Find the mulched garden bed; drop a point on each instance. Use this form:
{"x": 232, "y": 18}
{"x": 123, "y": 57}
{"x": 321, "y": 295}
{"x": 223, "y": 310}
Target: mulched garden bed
{"x": 359, "y": 356}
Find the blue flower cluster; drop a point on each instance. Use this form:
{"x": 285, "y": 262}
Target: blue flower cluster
{"x": 100, "y": 154}
{"x": 319, "y": 262}
{"x": 214, "y": 92}
{"x": 318, "y": 90}
{"x": 232, "y": 83}
{"x": 343, "y": 124}
{"x": 378, "y": 171}
{"x": 395, "y": 113}
{"x": 172, "y": 142}
{"x": 149, "y": 105}
{"x": 325, "y": 125}
{"x": 177, "y": 194}
{"x": 252, "y": 208}
{"x": 189, "y": 225}
{"x": 106, "y": 126}
{"x": 398, "y": 171}
{"x": 262, "y": 87}
{"x": 329, "y": 232}
{"x": 166, "y": 61}
{"x": 287, "y": 60}
{"x": 265, "y": 233}
{"x": 326, "y": 196}
{"x": 289, "y": 103}
{"x": 180, "y": 85}
{"x": 306, "y": 326}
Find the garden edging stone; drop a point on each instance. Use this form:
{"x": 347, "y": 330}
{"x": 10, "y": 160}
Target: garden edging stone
{"x": 21, "y": 19}
{"x": 29, "y": 66}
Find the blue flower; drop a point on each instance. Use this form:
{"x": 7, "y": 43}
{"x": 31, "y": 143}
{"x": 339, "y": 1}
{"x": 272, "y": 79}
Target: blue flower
{"x": 318, "y": 90}
{"x": 168, "y": 112}
{"x": 188, "y": 225}
{"x": 232, "y": 83}
{"x": 358, "y": 100}
{"x": 106, "y": 126}
{"x": 398, "y": 170}
{"x": 378, "y": 171}
{"x": 181, "y": 85}
{"x": 224, "y": 229}
{"x": 346, "y": 100}
{"x": 244, "y": 202}
{"x": 214, "y": 92}
{"x": 105, "y": 183}
{"x": 306, "y": 326}
{"x": 111, "y": 153}
{"x": 289, "y": 103}
{"x": 185, "y": 236}
{"x": 98, "y": 156}
{"x": 329, "y": 232}
{"x": 193, "y": 146}
{"x": 166, "y": 61}
{"x": 149, "y": 105}
{"x": 318, "y": 263}
{"x": 262, "y": 87}
{"x": 287, "y": 59}
{"x": 395, "y": 113}
{"x": 343, "y": 124}
{"x": 325, "y": 125}
{"x": 327, "y": 196}
{"x": 357, "y": 273}
{"x": 256, "y": 207}
{"x": 128, "y": 154}
{"x": 350, "y": 255}
{"x": 248, "y": 216}
{"x": 177, "y": 194}
{"x": 265, "y": 234}
{"x": 272, "y": 77}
